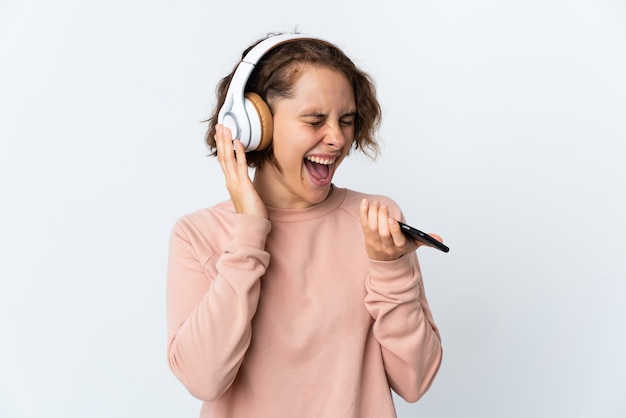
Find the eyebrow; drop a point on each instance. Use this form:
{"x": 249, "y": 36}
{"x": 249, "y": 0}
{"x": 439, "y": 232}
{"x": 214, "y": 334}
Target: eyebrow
{"x": 320, "y": 115}
{"x": 315, "y": 115}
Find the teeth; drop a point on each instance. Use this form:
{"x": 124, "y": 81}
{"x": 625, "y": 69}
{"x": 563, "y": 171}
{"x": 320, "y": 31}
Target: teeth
{"x": 320, "y": 160}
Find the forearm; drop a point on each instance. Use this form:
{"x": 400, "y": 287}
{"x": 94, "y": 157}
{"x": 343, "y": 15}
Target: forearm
{"x": 404, "y": 326}
{"x": 210, "y": 308}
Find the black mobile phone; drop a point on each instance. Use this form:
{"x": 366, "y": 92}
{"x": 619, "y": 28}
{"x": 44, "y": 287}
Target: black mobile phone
{"x": 414, "y": 233}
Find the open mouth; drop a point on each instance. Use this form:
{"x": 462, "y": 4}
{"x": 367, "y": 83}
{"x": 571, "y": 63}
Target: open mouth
{"x": 320, "y": 168}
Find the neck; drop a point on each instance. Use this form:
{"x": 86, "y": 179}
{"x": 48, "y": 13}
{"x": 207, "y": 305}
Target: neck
{"x": 277, "y": 194}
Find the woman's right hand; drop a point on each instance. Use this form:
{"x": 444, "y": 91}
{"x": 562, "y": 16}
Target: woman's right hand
{"x": 235, "y": 167}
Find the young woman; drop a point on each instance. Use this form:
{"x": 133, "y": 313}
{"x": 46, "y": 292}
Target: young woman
{"x": 298, "y": 298}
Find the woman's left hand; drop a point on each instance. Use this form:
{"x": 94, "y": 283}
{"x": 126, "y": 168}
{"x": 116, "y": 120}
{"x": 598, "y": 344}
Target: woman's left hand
{"x": 384, "y": 240}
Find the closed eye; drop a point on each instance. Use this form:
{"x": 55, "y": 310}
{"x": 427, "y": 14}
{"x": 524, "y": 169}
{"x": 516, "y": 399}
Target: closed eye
{"x": 316, "y": 119}
{"x": 320, "y": 119}
{"x": 347, "y": 119}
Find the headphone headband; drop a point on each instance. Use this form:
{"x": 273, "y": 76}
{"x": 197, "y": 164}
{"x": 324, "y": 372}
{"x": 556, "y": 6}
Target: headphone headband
{"x": 235, "y": 113}
{"x": 256, "y": 53}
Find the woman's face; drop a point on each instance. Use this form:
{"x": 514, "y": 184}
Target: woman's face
{"x": 313, "y": 131}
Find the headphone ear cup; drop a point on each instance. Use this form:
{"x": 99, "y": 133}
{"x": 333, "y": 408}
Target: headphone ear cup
{"x": 265, "y": 120}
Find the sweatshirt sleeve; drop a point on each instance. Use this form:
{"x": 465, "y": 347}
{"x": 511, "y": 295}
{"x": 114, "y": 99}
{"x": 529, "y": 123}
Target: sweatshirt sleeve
{"x": 403, "y": 325}
{"x": 211, "y": 302}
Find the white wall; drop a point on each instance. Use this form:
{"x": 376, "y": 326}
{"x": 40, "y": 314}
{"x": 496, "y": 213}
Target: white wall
{"x": 504, "y": 132}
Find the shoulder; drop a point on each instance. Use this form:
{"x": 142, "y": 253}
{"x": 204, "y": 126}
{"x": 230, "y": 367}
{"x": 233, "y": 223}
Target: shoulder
{"x": 353, "y": 198}
{"x": 213, "y": 219}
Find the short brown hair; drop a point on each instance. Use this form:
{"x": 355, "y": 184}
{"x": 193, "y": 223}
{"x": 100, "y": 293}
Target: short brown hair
{"x": 275, "y": 75}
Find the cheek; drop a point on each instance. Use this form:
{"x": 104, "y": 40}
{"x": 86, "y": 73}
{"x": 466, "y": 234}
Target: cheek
{"x": 290, "y": 146}
{"x": 349, "y": 134}
{"x": 289, "y": 158}
{"x": 343, "y": 157}
{"x": 282, "y": 138}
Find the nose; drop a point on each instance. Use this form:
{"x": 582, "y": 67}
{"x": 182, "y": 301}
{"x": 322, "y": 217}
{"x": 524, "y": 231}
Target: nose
{"x": 335, "y": 135}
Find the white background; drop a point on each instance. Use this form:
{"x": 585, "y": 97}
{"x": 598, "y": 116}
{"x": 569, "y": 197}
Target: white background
{"x": 504, "y": 129}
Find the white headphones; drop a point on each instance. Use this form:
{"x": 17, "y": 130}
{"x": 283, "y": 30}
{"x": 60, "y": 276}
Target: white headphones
{"x": 246, "y": 115}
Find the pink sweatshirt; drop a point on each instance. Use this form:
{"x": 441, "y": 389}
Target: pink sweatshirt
{"x": 288, "y": 317}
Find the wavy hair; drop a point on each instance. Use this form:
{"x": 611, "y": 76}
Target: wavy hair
{"x": 275, "y": 75}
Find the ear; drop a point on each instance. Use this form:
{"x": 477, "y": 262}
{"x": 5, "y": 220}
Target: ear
{"x": 264, "y": 120}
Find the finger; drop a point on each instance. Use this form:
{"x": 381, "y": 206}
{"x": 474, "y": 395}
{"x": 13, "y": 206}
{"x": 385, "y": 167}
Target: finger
{"x": 383, "y": 224}
{"x": 363, "y": 213}
{"x": 394, "y": 229}
{"x": 372, "y": 217}
{"x": 223, "y": 141}
{"x": 368, "y": 211}
{"x": 240, "y": 154}
{"x": 226, "y": 155}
